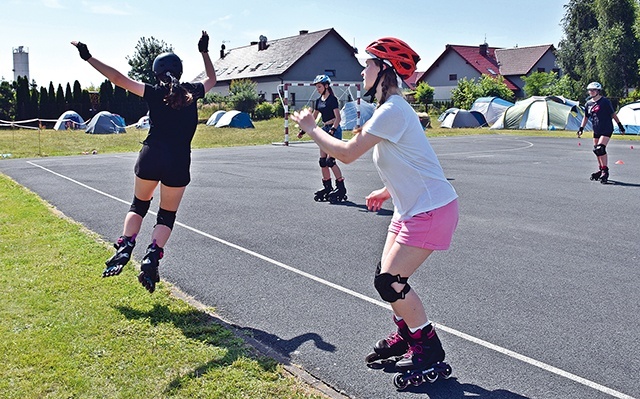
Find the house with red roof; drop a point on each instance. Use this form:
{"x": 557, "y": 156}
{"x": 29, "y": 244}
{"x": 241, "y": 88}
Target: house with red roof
{"x": 471, "y": 62}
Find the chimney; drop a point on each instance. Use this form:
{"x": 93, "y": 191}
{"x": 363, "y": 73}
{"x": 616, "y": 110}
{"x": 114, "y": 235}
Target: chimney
{"x": 262, "y": 45}
{"x": 222, "y": 48}
{"x": 484, "y": 47}
{"x": 304, "y": 32}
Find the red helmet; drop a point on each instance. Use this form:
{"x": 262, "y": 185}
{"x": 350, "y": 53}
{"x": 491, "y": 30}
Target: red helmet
{"x": 402, "y": 57}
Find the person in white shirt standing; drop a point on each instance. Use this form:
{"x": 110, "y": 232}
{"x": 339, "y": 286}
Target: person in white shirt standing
{"x": 425, "y": 203}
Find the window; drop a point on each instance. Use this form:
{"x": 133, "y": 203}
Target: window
{"x": 330, "y": 72}
{"x": 275, "y": 97}
{"x": 453, "y": 76}
{"x": 293, "y": 99}
{"x": 540, "y": 69}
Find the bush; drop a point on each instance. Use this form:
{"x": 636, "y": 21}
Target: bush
{"x": 264, "y": 111}
{"x": 243, "y": 96}
{"x": 278, "y": 109}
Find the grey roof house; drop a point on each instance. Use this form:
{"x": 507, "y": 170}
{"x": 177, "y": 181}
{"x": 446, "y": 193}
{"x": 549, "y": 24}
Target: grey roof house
{"x": 471, "y": 62}
{"x": 270, "y": 63}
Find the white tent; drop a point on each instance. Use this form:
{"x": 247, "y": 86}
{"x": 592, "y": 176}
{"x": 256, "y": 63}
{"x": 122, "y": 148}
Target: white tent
{"x": 349, "y": 114}
{"x": 215, "y": 117}
{"x": 69, "y": 120}
{"x": 629, "y": 116}
{"x": 491, "y": 107}
{"x": 459, "y": 118}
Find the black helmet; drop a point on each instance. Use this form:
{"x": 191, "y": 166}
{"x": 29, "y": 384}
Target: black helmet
{"x": 167, "y": 62}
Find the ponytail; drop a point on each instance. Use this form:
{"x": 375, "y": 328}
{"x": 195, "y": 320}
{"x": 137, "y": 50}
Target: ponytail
{"x": 178, "y": 97}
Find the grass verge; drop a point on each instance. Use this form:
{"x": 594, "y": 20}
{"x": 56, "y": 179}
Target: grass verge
{"x": 66, "y": 332}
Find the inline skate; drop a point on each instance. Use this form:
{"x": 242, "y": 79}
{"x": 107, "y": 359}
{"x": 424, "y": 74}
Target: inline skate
{"x": 596, "y": 175}
{"x": 391, "y": 349}
{"x": 323, "y": 195}
{"x": 604, "y": 178}
{"x": 339, "y": 194}
{"x": 149, "y": 274}
{"x": 124, "y": 247}
{"x": 424, "y": 361}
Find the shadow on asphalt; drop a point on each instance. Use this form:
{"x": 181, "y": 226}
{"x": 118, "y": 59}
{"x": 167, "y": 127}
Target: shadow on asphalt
{"x": 363, "y": 208}
{"x": 452, "y": 389}
{"x": 619, "y": 183}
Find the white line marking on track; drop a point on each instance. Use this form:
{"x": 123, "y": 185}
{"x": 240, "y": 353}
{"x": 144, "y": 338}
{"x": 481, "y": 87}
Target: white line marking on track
{"x": 385, "y": 305}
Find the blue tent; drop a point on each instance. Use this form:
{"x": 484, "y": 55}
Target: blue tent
{"x": 104, "y": 122}
{"x": 235, "y": 119}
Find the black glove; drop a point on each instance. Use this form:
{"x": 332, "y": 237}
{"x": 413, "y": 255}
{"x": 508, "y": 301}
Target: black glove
{"x": 203, "y": 43}
{"x": 84, "y": 51}
{"x": 580, "y": 130}
{"x": 621, "y": 127}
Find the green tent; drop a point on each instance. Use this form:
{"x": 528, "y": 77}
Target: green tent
{"x": 543, "y": 113}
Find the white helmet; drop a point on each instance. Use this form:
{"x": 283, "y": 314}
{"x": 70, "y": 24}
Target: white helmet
{"x": 594, "y": 85}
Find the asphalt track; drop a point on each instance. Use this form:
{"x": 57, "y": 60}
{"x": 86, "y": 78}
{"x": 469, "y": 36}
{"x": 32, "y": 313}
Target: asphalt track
{"x": 537, "y": 297}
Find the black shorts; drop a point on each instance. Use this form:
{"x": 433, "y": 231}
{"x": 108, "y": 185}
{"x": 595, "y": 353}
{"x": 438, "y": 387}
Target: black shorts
{"x": 598, "y": 135}
{"x": 163, "y": 165}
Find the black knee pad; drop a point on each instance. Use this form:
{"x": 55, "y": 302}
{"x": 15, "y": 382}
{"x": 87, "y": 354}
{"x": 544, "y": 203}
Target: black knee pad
{"x": 383, "y": 282}
{"x": 331, "y": 161}
{"x": 166, "y": 218}
{"x": 600, "y": 150}
{"x": 323, "y": 162}
{"x": 139, "y": 206}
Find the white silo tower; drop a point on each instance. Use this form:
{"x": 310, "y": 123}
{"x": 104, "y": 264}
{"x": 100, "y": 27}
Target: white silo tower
{"x": 21, "y": 62}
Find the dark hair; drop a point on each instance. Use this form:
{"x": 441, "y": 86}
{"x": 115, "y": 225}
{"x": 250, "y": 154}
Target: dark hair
{"x": 178, "y": 97}
{"x": 388, "y": 82}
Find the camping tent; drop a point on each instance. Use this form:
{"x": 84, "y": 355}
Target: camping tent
{"x": 349, "y": 114}
{"x": 215, "y": 117}
{"x": 491, "y": 107}
{"x": 235, "y": 119}
{"x": 143, "y": 123}
{"x": 69, "y": 120}
{"x": 629, "y": 116}
{"x": 104, "y": 122}
{"x": 456, "y": 118}
{"x": 542, "y": 113}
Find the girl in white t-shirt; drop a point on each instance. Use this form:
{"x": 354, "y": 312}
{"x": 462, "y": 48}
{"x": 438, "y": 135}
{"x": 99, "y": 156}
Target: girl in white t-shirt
{"x": 425, "y": 203}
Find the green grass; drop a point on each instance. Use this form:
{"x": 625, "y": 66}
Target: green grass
{"x": 24, "y": 143}
{"x": 66, "y": 332}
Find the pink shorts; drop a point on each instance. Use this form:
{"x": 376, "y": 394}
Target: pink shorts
{"x": 430, "y": 230}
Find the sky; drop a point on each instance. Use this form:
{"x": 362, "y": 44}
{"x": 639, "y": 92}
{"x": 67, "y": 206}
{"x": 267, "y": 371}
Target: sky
{"x": 112, "y": 28}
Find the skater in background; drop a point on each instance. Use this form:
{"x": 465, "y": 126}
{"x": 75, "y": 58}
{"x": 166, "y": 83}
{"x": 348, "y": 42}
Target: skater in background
{"x": 601, "y": 113}
{"x": 425, "y": 203}
{"x": 165, "y": 157}
{"x": 327, "y": 106}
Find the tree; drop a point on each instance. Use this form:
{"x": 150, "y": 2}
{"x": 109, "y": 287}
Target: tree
{"x": 59, "y": 104}
{"x": 106, "y": 95}
{"x": 7, "y": 101}
{"x": 44, "y": 103}
{"x": 601, "y": 43}
{"x": 424, "y": 93}
{"x": 465, "y": 93}
{"x": 22, "y": 98}
{"x": 617, "y": 48}
{"x": 494, "y": 87}
{"x": 142, "y": 61}
{"x": 539, "y": 83}
{"x": 468, "y": 90}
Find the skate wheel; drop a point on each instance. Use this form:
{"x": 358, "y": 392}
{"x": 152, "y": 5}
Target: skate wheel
{"x": 416, "y": 380}
{"x": 446, "y": 373}
{"x": 372, "y": 357}
{"x": 399, "y": 381}
{"x": 431, "y": 376}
